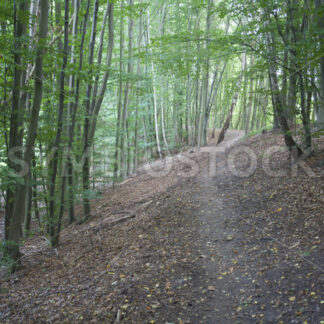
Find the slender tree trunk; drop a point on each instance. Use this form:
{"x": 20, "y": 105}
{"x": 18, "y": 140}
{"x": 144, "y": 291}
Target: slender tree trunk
{"x": 206, "y": 108}
{"x": 103, "y": 86}
{"x": 126, "y": 92}
{"x": 54, "y": 164}
{"x": 188, "y": 104}
{"x": 297, "y": 35}
{"x": 165, "y": 140}
{"x": 163, "y": 120}
{"x": 200, "y": 116}
{"x": 68, "y": 168}
{"x": 156, "y": 123}
{"x": 138, "y": 87}
{"x": 256, "y": 106}
{"x": 86, "y": 144}
{"x": 197, "y": 104}
{"x": 34, "y": 192}
{"x": 100, "y": 50}
{"x": 234, "y": 101}
{"x": 73, "y": 109}
{"x": 288, "y": 113}
{"x": 278, "y": 108}
{"x": 117, "y": 165}
{"x": 29, "y": 208}
{"x": 250, "y": 103}
{"x": 318, "y": 5}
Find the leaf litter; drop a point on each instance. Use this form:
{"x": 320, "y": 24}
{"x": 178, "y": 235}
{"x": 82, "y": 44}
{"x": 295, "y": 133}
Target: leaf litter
{"x": 184, "y": 250}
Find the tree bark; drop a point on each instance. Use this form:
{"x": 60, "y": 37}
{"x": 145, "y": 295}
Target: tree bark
{"x": 86, "y": 144}
{"x": 277, "y": 98}
{"x": 120, "y": 91}
{"x": 54, "y": 164}
{"x": 71, "y": 114}
{"x": 100, "y": 50}
{"x": 156, "y": 123}
{"x": 222, "y": 133}
{"x": 250, "y": 103}
{"x": 20, "y": 200}
{"x": 17, "y": 113}
{"x": 103, "y": 87}
{"x": 318, "y": 5}
{"x": 124, "y": 136}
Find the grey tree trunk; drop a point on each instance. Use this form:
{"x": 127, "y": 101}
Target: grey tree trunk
{"x": 54, "y": 164}
{"x": 222, "y": 133}
{"x": 86, "y": 144}
{"x": 320, "y": 117}
{"x": 276, "y": 96}
{"x": 99, "y": 59}
{"x": 206, "y": 107}
{"x": 120, "y": 100}
{"x": 68, "y": 168}
{"x": 255, "y": 122}
{"x": 103, "y": 87}
{"x": 250, "y": 103}
{"x": 156, "y": 123}
{"x": 126, "y": 93}
{"x": 74, "y": 107}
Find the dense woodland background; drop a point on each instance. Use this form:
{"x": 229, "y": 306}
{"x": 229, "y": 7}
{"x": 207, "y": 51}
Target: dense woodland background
{"x": 90, "y": 90}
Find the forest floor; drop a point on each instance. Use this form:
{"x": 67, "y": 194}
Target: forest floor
{"x": 190, "y": 245}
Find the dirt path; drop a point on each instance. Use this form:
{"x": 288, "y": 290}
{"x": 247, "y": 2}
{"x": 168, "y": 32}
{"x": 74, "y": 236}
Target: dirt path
{"x": 240, "y": 271}
{"x": 199, "y": 249}
{"x": 228, "y": 267}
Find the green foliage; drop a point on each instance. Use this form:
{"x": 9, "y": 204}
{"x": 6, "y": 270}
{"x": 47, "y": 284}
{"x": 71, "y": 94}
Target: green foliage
{"x": 9, "y": 179}
{"x": 174, "y": 70}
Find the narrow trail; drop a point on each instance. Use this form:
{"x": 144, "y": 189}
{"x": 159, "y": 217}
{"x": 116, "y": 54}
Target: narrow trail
{"x": 241, "y": 273}
{"x": 206, "y": 248}
{"x": 213, "y": 288}
{"x": 218, "y": 255}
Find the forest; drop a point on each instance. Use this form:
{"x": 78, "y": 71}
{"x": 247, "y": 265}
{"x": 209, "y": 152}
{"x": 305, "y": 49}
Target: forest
{"x": 93, "y": 90}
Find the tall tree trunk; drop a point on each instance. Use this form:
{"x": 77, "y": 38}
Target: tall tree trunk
{"x": 297, "y": 35}
{"x": 162, "y": 28}
{"x": 165, "y": 140}
{"x": 250, "y": 103}
{"x": 104, "y": 81}
{"x": 206, "y": 108}
{"x": 54, "y": 164}
{"x": 17, "y": 113}
{"x": 256, "y": 106}
{"x": 319, "y": 7}
{"x": 20, "y": 200}
{"x": 100, "y": 50}
{"x": 73, "y": 109}
{"x": 138, "y": 86}
{"x": 86, "y": 144}
{"x": 126, "y": 93}
{"x": 277, "y": 98}
{"x": 222, "y": 133}
{"x": 68, "y": 168}
{"x": 28, "y": 217}
{"x": 197, "y": 77}
{"x": 156, "y": 123}
{"x": 117, "y": 166}
{"x": 288, "y": 113}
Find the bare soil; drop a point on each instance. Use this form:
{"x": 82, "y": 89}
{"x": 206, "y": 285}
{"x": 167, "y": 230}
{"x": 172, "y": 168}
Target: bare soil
{"x": 192, "y": 245}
